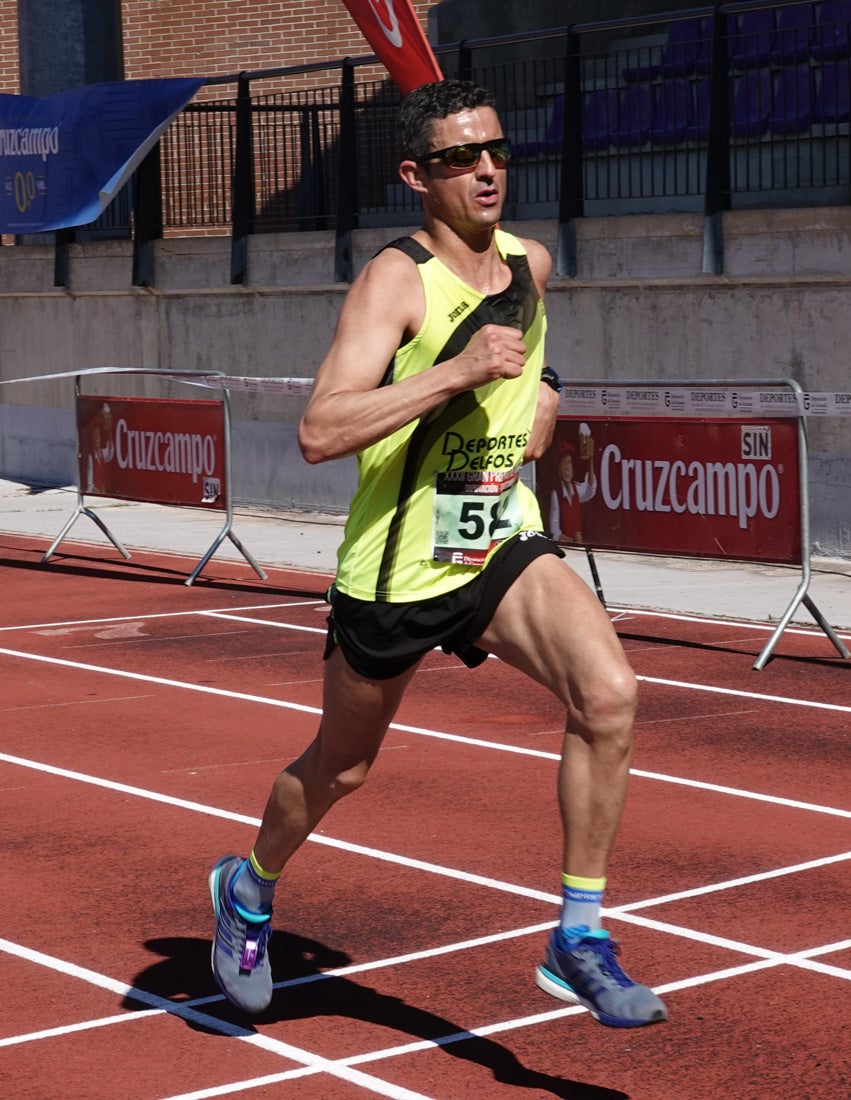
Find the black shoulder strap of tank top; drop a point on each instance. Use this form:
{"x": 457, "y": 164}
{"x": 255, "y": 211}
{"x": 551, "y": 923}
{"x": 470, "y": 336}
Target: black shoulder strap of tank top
{"x": 418, "y": 253}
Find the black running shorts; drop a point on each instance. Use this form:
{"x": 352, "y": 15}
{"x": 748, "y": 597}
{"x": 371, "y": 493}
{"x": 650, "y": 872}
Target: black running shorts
{"x": 381, "y": 640}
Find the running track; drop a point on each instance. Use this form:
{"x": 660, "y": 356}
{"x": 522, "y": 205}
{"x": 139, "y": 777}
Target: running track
{"x": 142, "y": 725}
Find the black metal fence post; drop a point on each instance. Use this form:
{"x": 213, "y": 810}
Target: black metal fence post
{"x": 242, "y": 211}
{"x": 571, "y": 203}
{"x": 717, "y": 189}
{"x": 347, "y": 178}
{"x": 147, "y": 216}
{"x": 465, "y": 62}
{"x": 61, "y": 261}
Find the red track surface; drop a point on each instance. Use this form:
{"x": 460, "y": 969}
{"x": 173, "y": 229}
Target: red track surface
{"x": 142, "y": 725}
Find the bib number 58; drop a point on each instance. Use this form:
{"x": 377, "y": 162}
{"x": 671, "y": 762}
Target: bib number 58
{"x": 474, "y": 517}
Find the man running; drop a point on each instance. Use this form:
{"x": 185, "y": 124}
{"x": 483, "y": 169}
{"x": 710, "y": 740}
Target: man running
{"x": 436, "y": 380}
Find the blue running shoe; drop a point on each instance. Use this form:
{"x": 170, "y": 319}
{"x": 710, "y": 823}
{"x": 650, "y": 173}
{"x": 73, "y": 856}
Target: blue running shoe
{"x": 240, "y": 959}
{"x": 581, "y": 966}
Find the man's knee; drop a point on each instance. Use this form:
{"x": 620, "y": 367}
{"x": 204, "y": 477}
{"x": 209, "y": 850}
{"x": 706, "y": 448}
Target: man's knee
{"x": 606, "y": 704}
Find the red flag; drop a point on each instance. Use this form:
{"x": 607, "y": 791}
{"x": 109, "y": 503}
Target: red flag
{"x": 392, "y": 29}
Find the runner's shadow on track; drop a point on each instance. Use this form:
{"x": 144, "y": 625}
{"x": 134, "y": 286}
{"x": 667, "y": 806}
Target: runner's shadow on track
{"x": 70, "y": 565}
{"x": 183, "y": 974}
{"x": 831, "y": 658}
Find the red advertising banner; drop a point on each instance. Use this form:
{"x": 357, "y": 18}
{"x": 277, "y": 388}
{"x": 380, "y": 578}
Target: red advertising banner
{"x": 392, "y": 29}
{"x": 152, "y": 449}
{"x": 695, "y": 488}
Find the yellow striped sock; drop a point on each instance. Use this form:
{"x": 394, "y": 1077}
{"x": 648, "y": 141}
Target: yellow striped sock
{"x": 258, "y": 870}
{"x": 577, "y": 883}
{"x": 582, "y": 898}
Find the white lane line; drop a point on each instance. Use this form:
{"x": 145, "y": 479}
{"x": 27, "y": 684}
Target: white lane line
{"x": 186, "y": 1012}
{"x": 738, "y": 693}
{"x": 159, "y": 615}
{"x": 738, "y": 792}
{"x": 501, "y": 1027}
{"x": 418, "y": 730}
{"x": 266, "y": 622}
{"x": 682, "y": 684}
{"x": 805, "y": 959}
{"x": 623, "y": 912}
{"x": 729, "y": 884}
{"x": 734, "y": 624}
{"x": 238, "y": 616}
{"x": 308, "y": 979}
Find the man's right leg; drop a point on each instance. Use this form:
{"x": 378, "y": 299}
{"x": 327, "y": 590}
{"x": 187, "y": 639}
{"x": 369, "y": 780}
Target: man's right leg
{"x": 355, "y": 716}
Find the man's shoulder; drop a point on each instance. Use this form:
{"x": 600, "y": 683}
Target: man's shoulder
{"x": 394, "y": 262}
{"x": 407, "y": 246}
{"x": 538, "y": 256}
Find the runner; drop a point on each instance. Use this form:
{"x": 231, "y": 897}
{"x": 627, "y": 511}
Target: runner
{"x": 443, "y": 545}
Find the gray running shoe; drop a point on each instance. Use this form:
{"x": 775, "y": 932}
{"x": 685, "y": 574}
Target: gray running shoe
{"x": 240, "y": 960}
{"x": 581, "y": 967}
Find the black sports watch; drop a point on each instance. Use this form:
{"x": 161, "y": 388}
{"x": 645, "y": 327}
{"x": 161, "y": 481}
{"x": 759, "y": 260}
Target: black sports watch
{"x": 549, "y": 376}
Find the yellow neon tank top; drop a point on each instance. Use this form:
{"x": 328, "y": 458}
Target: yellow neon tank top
{"x": 438, "y": 496}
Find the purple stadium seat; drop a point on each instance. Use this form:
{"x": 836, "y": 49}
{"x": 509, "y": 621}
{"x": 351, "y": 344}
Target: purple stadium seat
{"x": 555, "y": 130}
{"x": 793, "y": 40}
{"x": 751, "y": 103}
{"x": 833, "y": 31}
{"x": 598, "y": 120}
{"x": 634, "y": 114}
{"x": 832, "y": 98}
{"x": 687, "y": 48}
{"x": 792, "y": 107}
{"x": 672, "y": 111}
{"x": 698, "y": 126}
{"x": 552, "y": 139}
{"x": 750, "y": 46}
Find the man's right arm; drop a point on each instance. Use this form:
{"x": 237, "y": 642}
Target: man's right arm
{"x": 348, "y": 410}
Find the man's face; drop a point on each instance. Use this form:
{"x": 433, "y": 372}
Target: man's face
{"x": 465, "y": 197}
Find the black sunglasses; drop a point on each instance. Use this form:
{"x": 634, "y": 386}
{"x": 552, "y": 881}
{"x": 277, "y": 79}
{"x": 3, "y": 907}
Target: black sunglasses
{"x": 469, "y": 154}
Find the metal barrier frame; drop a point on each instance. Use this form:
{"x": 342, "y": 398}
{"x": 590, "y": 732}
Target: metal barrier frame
{"x": 191, "y": 378}
{"x": 801, "y": 595}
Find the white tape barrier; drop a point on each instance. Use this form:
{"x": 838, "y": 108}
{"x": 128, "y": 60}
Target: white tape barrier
{"x": 591, "y": 400}
{"x": 685, "y": 401}
{"x": 630, "y": 400}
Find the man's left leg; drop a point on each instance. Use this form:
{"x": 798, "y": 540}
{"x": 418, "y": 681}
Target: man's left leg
{"x": 551, "y": 626}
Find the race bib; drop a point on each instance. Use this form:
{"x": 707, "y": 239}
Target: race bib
{"x": 474, "y": 511}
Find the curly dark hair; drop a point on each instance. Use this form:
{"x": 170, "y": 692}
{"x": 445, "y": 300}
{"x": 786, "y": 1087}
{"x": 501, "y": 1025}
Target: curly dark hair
{"x": 424, "y": 105}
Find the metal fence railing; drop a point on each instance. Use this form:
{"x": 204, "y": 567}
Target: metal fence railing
{"x": 746, "y": 104}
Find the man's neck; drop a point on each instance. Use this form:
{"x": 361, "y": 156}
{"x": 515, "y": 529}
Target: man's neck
{"x": 472, "y": 257}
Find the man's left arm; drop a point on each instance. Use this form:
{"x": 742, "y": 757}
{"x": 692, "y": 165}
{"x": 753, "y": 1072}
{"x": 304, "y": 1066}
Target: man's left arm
{"x": 546, "y": 410}
{"x": 543, "y": 426}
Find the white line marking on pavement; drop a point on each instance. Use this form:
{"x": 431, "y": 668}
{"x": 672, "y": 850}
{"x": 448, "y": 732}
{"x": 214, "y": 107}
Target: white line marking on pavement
{"x": 421, "y": 731}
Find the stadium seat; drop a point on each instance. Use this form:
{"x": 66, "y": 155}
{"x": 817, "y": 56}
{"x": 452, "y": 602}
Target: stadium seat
{"x": 751, "y": 103}
{"x": 793, "y": 40}
{"x": 832, "y": 97}
{"x": 792, "y": 105}
{"x": 644, "y": 69}
{"x": 832, "y": 36}
{"x": 672, "y": 111}
{"x": 698, "y": 126}
{"x": 551, "y": 142}
{"x": 634, "y": 115}
{"x": 555, "y": 130}
{"x": 750, "y": 45}
{"x": 687, "y": 49}
{"x": 598, "y": 120}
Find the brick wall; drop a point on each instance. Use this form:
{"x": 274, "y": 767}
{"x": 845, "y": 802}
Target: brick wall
{"x": 9, "y": 83}
{"x": 217, "y": 37}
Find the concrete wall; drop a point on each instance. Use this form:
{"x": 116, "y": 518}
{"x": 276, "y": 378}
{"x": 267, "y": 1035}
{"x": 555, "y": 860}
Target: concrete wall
{"x": 639, "y": 308}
